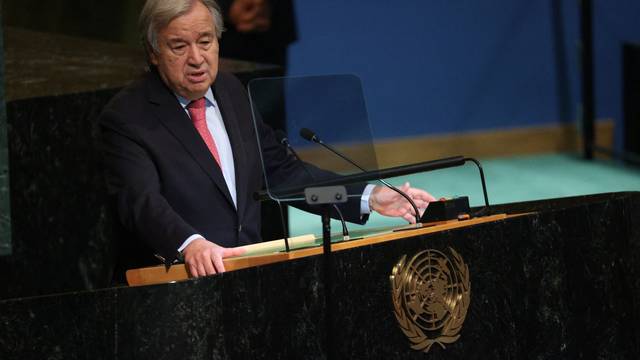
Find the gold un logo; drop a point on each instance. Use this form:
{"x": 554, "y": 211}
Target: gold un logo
{"x": 430, "y": 296}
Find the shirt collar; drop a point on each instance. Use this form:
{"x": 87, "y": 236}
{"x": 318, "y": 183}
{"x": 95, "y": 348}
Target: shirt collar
{"x": 208, "y": 96}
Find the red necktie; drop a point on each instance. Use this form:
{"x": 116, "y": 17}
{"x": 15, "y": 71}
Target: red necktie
{"x": 197, "y": 112}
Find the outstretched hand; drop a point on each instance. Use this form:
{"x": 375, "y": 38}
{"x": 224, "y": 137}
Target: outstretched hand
{"x": 389, "y": 203}
{"x": 203, "y": 257}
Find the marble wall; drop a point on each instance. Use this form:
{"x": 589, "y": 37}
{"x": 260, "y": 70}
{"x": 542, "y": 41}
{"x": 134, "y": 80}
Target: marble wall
{"x": 5, "y": 215}
{"x": 557, "y": 283}
{"x": 60, "y": 222}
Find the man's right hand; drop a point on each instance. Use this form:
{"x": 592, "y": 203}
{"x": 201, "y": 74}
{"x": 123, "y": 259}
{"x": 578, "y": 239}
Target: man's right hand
{"x": 203, "y": 257}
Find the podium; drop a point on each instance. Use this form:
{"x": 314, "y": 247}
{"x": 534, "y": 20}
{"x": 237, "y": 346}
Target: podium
{"x": 304, "y": 246}
{"x": 548, "y": 279}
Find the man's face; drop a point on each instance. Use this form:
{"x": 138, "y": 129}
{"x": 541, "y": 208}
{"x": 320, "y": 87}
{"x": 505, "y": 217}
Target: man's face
{"x": 187, "y": 57}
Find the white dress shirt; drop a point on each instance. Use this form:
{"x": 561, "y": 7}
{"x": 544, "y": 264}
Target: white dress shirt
{"x": 223, "y": 145}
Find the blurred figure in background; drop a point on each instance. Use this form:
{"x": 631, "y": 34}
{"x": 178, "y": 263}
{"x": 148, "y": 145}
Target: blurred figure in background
{"x": 258, "y": 30}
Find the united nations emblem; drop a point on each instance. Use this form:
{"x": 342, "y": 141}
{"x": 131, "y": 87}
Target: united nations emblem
{"x": 430, "y": 296}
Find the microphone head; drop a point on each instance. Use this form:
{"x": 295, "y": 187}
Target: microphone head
{"x": 308, "y": 135}
{"x": 281, "y": 136}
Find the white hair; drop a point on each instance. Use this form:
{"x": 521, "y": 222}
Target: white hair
{"x": 156, "y": 14}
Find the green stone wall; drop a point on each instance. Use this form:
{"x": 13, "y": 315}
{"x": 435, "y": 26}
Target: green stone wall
{"x": 113, "y": 20}
{"x": 5, "y": 213}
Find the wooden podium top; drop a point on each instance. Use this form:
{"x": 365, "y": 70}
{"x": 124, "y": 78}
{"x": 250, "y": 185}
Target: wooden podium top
{"x": 307, "y": 245}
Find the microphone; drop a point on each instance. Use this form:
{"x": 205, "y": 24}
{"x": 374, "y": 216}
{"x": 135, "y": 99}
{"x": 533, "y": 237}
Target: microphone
{"x": 311, "y": 136}
{"x": 282, "y": 138}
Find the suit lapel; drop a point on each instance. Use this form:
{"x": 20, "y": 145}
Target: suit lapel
{"x": 168, "y": 110}
{"x": 230, "y": 119}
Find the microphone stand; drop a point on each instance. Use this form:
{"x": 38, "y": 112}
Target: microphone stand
{"x": 326, "y": 197}
{"x": 282, "y": 136}
{"x": 328, "y": 279}
{"x": 309, "y": 135}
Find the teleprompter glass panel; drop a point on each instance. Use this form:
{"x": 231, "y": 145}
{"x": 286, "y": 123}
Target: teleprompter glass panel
{"x": 331, "y": 108}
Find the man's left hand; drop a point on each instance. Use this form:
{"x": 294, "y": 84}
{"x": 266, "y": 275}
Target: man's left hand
{"x": 389, "y": 203}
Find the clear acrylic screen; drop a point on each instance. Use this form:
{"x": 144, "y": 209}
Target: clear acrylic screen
{"x": 332, "y": 106}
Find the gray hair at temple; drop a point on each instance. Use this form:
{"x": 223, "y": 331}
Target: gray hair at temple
{"x": 156, "y": 14}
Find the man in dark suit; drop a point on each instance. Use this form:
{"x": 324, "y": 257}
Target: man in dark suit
{"x": 181, "y": 154}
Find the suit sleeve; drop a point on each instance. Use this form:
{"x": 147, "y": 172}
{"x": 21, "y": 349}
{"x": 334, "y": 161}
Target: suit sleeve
{"x": 133, "y": 181}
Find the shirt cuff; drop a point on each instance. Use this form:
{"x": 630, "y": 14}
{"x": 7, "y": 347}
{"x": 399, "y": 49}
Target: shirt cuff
{"x": 364, "y": 200}
{"x": 188, "y": 241}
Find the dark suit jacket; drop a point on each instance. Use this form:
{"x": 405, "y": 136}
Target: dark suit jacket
{"x": 165, "y": 183}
